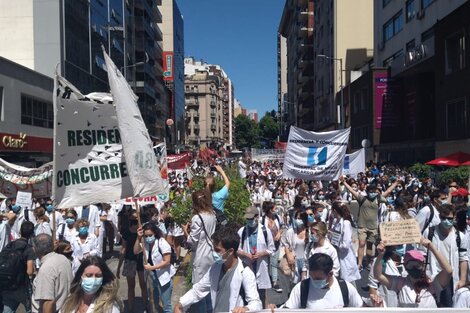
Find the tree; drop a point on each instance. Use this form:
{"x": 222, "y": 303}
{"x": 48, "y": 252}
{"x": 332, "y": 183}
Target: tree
{"x": 246, "y": 132}
{"x": 268, "y": 129}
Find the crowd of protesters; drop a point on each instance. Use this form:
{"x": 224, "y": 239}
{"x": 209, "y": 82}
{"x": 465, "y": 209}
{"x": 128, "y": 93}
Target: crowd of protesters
{"x": 318, "y": 236}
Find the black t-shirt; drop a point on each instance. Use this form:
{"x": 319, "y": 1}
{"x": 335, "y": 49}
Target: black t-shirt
{"x": 130, "y": 239}
{"x": 28, "y": 252}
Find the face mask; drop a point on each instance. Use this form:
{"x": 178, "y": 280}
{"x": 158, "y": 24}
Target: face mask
{"x": 400, "y": 251}
{"x": 299, "y": 223}
{"x": 415, "y": 273}
{"x": 15, "y": 208}
{"x": 305, "y": 203}
{"x": 90, "y": 285}
{"x": 390, "y": 201}
{"x": 319, "y": 283}
{"x": 217, "y": 257}
{"x": 83, "y": 230}
{"x": 444, "y": 202}
{"x": 251, "y": 223}
{"x": 313, "y": 238}
{"x": 70, "y": 220}
{"x": 426, "y": 199}
{"x": 321, "y": 197}
{"x": 150, "y": 240}
{"x": 372, "y": 195}
{"x": 310, "y": 219}
{"x": 318, "y": 215}
{"x": 49, "y": 208}
{"x": 447, "y": 224}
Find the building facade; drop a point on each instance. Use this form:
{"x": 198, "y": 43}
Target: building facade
{"x": 26, "y": 115}
{"x": 172, "y": 27}
{"x": 72, "y": 34}
{"x": 295, "y": 65}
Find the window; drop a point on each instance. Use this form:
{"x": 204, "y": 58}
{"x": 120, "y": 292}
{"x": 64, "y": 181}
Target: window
{"x": 456, "y": 119}
{"x": 427, "y": 35}
{"x": 410, "y": 45}
{"x": 455, "y": 52}
{"x": 388, "y": 61}
{"x": 1, "y": 102}
{"x": 426, "y": 3}
{"x": 393, "y": 26}
{"x": 385, "y": 2}
{"x": 410, "y": 10}
{"x": 36, "y": 112}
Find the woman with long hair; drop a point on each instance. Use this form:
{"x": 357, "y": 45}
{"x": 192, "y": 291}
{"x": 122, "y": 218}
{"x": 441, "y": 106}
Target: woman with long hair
{"x": 340, "y": 236}
{"x": 271, "y": 221}
{"x": 294, "y": 244}
{"x": 317, "y": 242}
{"x": 93, "y": 289}
{"x": 417, "y": 289}
{"x": 198, "y": 236}
{"x": 42, "y": 222}
{"x": 158, "y": 253}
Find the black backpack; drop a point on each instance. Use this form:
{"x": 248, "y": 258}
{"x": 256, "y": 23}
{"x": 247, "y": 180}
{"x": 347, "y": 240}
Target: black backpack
{"x": 221, "y": 219}
{"x": 13, "y": 265}
{"x": 305, "y": 284}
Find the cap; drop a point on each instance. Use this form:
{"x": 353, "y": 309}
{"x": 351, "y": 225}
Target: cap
{"x": 413, "y": 255}
{"x": 460, "y": 192}
{"x": 251, "y": 212}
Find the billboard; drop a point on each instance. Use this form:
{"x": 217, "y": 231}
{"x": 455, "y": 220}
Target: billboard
{"x": 168, "y": 58}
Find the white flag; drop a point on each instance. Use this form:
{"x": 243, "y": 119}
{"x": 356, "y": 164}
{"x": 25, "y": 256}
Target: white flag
{"x": 354, "y": 163}
{"x": 315, "y": 156}
{"x": 88, "y": 163}
{"x": 138, "y": 151}
{"x": 160, "y": 153}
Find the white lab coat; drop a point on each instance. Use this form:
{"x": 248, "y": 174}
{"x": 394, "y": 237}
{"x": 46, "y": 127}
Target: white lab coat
{"x": 210, "y": 281}
{"x": 201, "y": 245}
{"x": 164, "y": 275}
{"x": 347, "y": 258}
{"x": 262, "y": 275}
{"x": 93, "y": 217}
{"x": 90, "y": 246}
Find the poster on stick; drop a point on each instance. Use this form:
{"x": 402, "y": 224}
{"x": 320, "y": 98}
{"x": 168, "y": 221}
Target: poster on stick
{"x": 400, "y": 232}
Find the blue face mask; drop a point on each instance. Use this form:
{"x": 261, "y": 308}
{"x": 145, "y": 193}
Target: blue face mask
{"x": 390, "y": 201}
{"x": 310, "y": 219}
{"x": 400, "y": 251}
{"x": 447, "y": 224}
{"x": 426, "y": 199}
{"x": 444, "y": 202}
{"x": 83, "y": 230}
{"x": 15, "y": 208}
{"x": 313, "y": 238}
{"x": 49, "y": 208}
{"x": 70, "y": 220}
{"x": 372, "y": 195}
{"x": 251, "y": 223}
{"x": 90, "y": 285}
{"x": 322, "y": 197}
{"x": 299, "y": 223}
{"x": 150, "y": 240}
{"x": 319, "y": 283}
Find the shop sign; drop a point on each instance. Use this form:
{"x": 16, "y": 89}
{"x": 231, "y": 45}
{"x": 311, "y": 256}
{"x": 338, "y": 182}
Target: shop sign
{"x": 11, "y": 142}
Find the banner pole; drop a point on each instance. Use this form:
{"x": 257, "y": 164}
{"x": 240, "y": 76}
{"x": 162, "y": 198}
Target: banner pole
{"x": 54, "y": 226}
{"x": 148, "y": 279}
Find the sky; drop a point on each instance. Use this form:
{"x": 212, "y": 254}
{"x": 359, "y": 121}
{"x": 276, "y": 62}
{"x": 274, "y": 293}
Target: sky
{"x": 240, "y": 36}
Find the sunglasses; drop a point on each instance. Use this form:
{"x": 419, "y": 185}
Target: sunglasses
{"x": 446, "y": 218}
{"x": 455, "y": 186}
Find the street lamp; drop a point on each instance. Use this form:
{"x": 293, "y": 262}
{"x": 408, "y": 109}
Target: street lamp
{"x": 341, "y": 113}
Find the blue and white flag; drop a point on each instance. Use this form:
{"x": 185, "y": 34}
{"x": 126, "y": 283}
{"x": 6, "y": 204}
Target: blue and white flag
{"x": 315, "y": 156}
{"x": 354, "y": 163}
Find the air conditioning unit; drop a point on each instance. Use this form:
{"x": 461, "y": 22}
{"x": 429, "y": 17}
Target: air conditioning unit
{"x": 420, "y": 15}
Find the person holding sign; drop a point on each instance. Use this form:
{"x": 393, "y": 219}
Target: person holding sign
{"x": 341, "y": 237}
{"x": 417, "y": 289}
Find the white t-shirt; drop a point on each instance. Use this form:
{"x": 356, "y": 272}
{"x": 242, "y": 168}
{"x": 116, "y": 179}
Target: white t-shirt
{"x": 407, "y": 295}
{"x": 462, "y": 298}
{"x": 328, "y": 298}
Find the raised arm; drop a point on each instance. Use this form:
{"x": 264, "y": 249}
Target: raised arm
{"x": 390, "y": 189}
{"x": 445, "y": 274}
{"x": 349, "y": 188}
{"x": 220, "y": 170}
{"x": 378, "y": 274}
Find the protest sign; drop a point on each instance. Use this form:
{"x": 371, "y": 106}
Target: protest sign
{"x": 160, "y": 153}
{"x": 88, "y": 163}
{"x": 400, "y": 232}
{"x": 15, "y": 178}
{"x": 24, "y": 200}
{"x": 315, "y": 156}
{"x": 354, "y": 163}
{"x": 138, "y": 148}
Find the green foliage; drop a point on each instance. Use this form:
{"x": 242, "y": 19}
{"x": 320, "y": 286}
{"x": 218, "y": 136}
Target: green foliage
{"x": 457, "y": 174}
{"x": 246, "y": 132}
{"x": 421, "y": 170}
{"x": 268, "y": 129}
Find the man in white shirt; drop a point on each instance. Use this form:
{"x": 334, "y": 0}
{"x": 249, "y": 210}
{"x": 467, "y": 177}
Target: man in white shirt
{"x": 322, "y": 290}
{"x": 428, "y": 215}
{"x": 242, "y": 168}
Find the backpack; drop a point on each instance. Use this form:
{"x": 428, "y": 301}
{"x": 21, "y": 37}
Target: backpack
{"x": 305, "y": 285}
{"x": 245, "y": 233}
{"x": 431, "y": 217}
{"x": 13, "y": 265}
{"x": 432, "y": 229}
{"x": 172, "y": 253}
{"x": 221, "y": 219}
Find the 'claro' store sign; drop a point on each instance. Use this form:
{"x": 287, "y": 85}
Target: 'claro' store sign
{"x": 23, "y": 142}
{"x": 12, "y": 142}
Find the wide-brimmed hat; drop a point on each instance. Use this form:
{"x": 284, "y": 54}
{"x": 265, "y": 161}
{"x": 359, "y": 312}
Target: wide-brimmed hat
{"x": 251, "y": 212}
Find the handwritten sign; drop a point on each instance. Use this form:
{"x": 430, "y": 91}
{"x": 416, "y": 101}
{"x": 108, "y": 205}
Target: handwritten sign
{"x": 23, "y": 199}
{"x": 400, "y": 232}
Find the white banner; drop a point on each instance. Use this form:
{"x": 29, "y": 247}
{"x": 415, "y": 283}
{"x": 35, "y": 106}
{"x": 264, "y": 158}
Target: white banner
{"x": 354, "y": 163}
{"x": 138, "y": 151}
{"x": 160, "y": 153}
{"x": 267, "y": 154}
{"x": 315, "y": 156}
{"x": 15, "y": 178}
{"x": 88, "y": 163}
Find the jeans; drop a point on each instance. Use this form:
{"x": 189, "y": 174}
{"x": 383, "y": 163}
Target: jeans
{"x": 274, "y": 265}
{"x": 205, "y": 305}
{"x": 163, "y": 293}
{"x": 13, "y": 298}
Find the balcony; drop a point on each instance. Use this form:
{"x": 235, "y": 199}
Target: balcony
{"x": 213, "y": 127}
{"x": 213, "y": 114}
{"x": 192, "y": 103}
{"x": 212, "y": 104}
{"x": 196, "y": 127}
{"x": 196, "y": 114}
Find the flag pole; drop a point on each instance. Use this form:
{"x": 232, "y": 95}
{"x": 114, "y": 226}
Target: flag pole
{"x": 147, "y": 275}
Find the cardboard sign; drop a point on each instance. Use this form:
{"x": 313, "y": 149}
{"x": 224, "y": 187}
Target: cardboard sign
{"x": 400, "y": 232}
